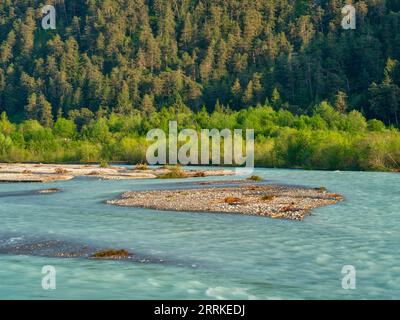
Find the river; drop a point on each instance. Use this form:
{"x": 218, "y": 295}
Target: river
{"x": 206, "y": 256}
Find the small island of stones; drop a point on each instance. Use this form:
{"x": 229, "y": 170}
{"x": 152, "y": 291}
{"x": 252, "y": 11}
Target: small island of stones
{"x": 274, "y": 201}
{"x": 24, "y": 172}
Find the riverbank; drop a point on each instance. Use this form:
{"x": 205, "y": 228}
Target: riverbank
{"x": 23, "y": 172}
{"x": 274, "y": 201}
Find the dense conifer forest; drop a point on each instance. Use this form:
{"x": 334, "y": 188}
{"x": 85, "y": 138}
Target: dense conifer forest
{"x": 318, "y": 96}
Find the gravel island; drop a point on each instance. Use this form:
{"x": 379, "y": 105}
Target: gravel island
{"x": 274, "y": 201}
{"x": 24, "y": 172}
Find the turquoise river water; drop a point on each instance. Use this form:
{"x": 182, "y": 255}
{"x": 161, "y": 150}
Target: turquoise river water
{"x": 207, "y": 256}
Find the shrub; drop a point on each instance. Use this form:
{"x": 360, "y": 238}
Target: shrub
{"x": 255, "y": 178}
{"x": 104, "y": 164}
{"x": 375, "y": 125}
{"x": 111, "y": 253}
{"x": 232, "y": 200}
{"x": 141, "y": 166}
{"x": 64, "y": 128}
{"x": 174, "y": 173}
{"x": 267, "y": 197}
{"x": 61, "y": 171}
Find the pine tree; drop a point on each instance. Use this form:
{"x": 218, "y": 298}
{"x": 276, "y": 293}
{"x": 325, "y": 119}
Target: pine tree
{"x": 45, "y": 112}
{"x": 187, "y": 32}
{"x": 40, "y": 109}
{"x": 124, "y": 105}
{"x": 207, "y": 64}
{"x": 248, "y": 93}
{"x": 275, "y": 98}
{"x": 147, "y": 104}
{"x": 31, "y": 107}
{"x": 340, "y": 103}
{"x": 26, "y": 31}
{"x": 236, "y": 91}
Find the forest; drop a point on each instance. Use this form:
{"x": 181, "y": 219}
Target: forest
{"x": 318, "y": 96}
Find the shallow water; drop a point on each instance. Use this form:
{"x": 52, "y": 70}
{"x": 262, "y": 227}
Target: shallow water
{"x": 208, "y": 256}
